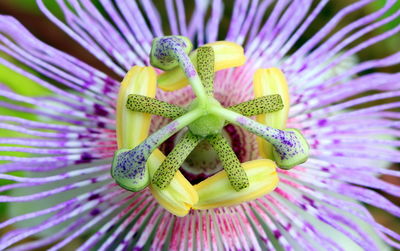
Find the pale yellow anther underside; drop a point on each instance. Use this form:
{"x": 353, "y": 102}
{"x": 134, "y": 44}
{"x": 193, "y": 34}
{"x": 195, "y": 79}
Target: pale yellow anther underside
{"x": 227, "y": 55}
{"x": 267, "y": 82}
{"x": 216, "y": 191}
{"x": 179, "y": 196}
{"x": 133, "y": 128}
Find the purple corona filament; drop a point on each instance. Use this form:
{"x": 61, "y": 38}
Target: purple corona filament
{"x": 58, "y": 130}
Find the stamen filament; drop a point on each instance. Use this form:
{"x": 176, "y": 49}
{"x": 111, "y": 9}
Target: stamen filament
{"x": 166, "y": 172}
{"x": 261, "y": 105}
{"x": 236, "y": 174}
{"x": 205, "y": 66}
{"x": 140, "y": 103}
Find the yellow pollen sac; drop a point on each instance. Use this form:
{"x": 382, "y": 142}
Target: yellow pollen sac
{"x": 133, "y": 128}
{"x": 267, "y": 82}
{"x": 227, "y": 55}
{"x": 179, "y": 196}
{"x": 216, "y": 191}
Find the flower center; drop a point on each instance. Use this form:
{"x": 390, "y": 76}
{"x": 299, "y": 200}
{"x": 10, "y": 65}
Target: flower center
{"x": 207, "y": 124}
{"x": 201, "y": 163}
{"x": 133, "y": 167}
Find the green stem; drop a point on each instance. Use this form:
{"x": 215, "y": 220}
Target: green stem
{"x": 172, "y": 51}
{"x": 242, "y": 121}
{"x": 129, "y": 166}
{"x": 290, "y": 146}
{"x": 190, "y": 71}
{"x": 164, "y": 133}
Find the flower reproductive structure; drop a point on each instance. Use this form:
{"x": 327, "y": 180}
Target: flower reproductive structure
{"x": 134, "y": 167}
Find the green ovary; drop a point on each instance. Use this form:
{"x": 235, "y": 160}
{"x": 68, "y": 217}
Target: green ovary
{"x": 207, "y": 124}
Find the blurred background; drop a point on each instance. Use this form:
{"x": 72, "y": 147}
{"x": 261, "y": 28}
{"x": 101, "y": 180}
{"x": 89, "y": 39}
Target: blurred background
{"x": 28, "y": 14}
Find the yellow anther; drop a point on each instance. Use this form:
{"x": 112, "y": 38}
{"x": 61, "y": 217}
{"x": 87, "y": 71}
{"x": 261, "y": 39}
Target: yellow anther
{"x": 216, "y": 191}
{"x": 227, "y": 55}
{"x": 133, "y": 128}
{"x": 179, "y": 196}
{"x": 267, "y": 82}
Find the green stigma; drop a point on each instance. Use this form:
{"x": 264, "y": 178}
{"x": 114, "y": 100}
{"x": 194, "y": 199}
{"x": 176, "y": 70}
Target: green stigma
{"x": 166, "y": 52}
{"x": 205, "y": 118}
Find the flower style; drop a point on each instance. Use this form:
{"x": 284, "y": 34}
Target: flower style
{"x": 173, "y": 130}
